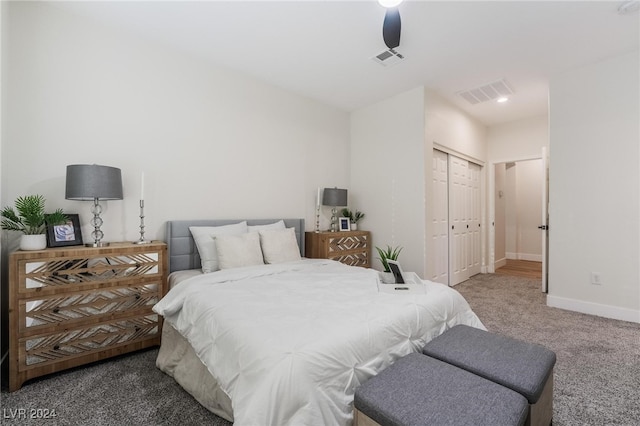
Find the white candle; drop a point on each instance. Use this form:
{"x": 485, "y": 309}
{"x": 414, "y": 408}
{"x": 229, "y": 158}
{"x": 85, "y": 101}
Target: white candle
{"x": 318, "y": 198}
{"x": 142, "y": 186}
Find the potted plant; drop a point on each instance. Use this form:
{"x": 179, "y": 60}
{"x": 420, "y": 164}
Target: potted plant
{"x": 29, "y": 218}
{"x": 354, "y": 217}
{"x": 390, "y": 253}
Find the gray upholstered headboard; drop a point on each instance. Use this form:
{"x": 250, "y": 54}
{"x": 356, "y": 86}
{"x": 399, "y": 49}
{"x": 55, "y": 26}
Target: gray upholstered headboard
{"x": 182, "y": 250}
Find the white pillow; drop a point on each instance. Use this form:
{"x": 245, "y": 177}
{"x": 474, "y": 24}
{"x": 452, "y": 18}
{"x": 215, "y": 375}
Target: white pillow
{"x": 279, "y": 246}
{"x": 235, "y": 251}
{"x": 204, "y": 235}
{"x": 279, "y": 225}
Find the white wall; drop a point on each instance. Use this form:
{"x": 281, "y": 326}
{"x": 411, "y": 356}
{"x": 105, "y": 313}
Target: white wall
{"x": 212, "y": 143}
{"x": 517, "y": 140}
{"x": 388, "y": 174}
{"x": 595, "y": 189}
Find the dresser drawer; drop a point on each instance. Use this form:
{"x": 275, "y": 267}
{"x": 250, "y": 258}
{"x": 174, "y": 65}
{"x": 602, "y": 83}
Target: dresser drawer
{"x": 67, "y": 309}
{"x": 349, "y": 247}
{"x": 341, "y": 243}
{"x": 41, "y": 350}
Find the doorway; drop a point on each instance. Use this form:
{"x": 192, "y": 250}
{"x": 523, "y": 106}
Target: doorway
{"x": 519, "y": 195}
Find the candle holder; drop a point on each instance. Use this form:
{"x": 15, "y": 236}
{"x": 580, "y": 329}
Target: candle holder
{"x": 141, "y": 240}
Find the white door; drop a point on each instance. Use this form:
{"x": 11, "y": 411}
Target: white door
{"x": 440, "y": 212}
{"x": 474, "y": 223}
{"x": 545, "y": 220}
{"x": 459, "y": 241}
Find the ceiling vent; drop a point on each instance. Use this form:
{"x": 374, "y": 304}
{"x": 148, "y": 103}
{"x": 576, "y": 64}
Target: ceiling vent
{"x": 487, "y": 92}
{"x": 388, "y": 57}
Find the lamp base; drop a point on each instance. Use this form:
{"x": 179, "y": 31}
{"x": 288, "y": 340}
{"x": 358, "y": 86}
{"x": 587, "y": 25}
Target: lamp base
{"x": 142, "y": 242}
{"x": 98, "y": 244}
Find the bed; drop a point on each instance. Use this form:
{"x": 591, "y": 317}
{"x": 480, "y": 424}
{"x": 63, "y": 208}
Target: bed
{"x": 287, "y": 343}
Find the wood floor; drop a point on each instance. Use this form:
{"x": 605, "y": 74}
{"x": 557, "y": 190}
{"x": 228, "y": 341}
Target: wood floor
{"x": 521, "y": 268}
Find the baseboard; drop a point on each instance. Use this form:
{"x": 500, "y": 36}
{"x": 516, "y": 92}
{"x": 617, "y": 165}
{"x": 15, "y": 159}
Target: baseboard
{"x": 500, "y": 263}
{"x": 524, "y": 256}
{"x": 606, "y": 311}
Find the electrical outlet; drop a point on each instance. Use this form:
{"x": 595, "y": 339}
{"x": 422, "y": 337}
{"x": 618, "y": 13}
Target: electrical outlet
{"x": 595, "y": 278}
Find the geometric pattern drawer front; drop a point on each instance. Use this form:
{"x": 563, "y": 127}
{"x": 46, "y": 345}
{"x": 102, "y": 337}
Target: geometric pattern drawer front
{"x": 60, "y": 272}
{"x": 347, "y": 243}
{"x": 73, "y": 343}
{"x": 352, "y": 259}
{"x": 73, "y": 306}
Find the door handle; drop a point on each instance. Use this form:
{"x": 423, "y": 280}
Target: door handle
{"x": 543, "y": 227}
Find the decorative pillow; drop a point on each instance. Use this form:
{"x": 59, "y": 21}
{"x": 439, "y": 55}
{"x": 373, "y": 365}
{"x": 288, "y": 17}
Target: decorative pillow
{"x": 279, "y": 225}
{"x": 279, "y": 246}
{"x": 204, "y": 238}
{"x": 235, "y": 251}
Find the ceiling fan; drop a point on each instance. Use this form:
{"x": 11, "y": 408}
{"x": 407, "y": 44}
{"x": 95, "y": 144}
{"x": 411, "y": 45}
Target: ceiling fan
{"x": 391, "y": 25}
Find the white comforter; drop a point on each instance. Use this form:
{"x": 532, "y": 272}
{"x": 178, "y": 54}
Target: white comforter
{"x": 289, "y": 343}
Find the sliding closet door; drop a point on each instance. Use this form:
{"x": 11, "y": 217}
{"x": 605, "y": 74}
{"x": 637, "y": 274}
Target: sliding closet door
{"x": 440, "y": 213}
{"x": 459, "y": 240}
{"x": 456, "y": 238}
{"x": 475, "y": 255}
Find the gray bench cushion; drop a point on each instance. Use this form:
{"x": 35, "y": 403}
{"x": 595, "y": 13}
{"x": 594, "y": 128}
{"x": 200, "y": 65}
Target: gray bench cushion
{"x": 419, "y": 390}
{"x": 521, "y": 366}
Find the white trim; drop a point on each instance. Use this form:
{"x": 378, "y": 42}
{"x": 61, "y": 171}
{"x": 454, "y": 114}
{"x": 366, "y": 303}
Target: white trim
{"x": 458, "y": 154}
{"x": 500, "y": 263}
{"x": 597, "y": 309}
{"x": 524, "y": 256}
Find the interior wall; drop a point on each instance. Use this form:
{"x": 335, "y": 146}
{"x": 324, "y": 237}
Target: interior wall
{"x": 387, "y": 174}
{"x": 594, "y": 188}
{"x": 211, "y": 142}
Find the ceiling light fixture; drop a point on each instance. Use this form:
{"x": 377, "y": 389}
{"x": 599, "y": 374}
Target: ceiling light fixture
{"x": 389, "y": 3}
{"x": 502, "y": 100}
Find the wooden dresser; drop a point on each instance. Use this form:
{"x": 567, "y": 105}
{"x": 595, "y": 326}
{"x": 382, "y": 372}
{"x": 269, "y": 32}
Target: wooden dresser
{"x": 73, "y": 305}
{"x": 349, "y": 247}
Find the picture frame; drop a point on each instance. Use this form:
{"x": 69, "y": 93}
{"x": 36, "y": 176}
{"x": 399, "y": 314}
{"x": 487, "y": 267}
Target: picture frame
{"x": 344, "y": 224}
{"x": 67, "y": 234}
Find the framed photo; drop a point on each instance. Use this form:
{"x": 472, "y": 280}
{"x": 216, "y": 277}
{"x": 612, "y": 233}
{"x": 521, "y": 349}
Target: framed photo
{"x": 345, "y": 224}
{"x": 67, "y": 234}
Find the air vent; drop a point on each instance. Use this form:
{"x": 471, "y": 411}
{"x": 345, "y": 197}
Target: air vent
{"x": 388, "y": 57}
{"x": 487, "y": 92}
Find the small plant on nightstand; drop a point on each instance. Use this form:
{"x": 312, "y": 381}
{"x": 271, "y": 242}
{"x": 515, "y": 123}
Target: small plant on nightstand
{"x": 390, "y": 253}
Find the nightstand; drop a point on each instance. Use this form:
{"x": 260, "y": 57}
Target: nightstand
{"x": 73, "y": 305}
{"x": 349, "y": 247}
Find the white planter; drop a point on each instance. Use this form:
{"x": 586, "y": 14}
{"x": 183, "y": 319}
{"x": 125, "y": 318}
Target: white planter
{"x": 387, "y": 277}
{"x": 33, "y": 242}
{"x": 354, "y": 226}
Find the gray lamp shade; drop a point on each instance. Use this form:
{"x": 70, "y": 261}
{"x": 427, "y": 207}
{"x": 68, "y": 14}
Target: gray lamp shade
{"x": 86, "y": 182}
{"x": 334, "y": 197}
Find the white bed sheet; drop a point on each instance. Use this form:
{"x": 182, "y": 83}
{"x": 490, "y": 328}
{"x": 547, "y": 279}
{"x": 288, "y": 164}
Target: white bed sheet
{"x": 289, "y": 343}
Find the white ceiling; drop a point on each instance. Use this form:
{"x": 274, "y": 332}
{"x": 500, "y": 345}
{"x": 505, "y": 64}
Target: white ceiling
{"x": 323, "y": 49}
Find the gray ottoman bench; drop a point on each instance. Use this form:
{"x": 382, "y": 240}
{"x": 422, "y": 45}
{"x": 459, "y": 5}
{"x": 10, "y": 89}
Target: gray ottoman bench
{"x": 420, "y": 390}
{"x": 524, "y": 367}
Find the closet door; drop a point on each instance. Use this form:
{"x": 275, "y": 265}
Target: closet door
{"x": 459, "y": 213}
{"x": 475, "y": 232}
{"x": 440, "y": 214}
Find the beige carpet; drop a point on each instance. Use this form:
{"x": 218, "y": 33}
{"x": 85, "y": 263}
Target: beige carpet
{"x": 597, "y": 374}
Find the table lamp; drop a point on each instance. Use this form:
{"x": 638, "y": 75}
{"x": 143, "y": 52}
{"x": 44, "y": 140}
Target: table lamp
{"x": 91, "y": 182}
{"x": 334, "y": 197}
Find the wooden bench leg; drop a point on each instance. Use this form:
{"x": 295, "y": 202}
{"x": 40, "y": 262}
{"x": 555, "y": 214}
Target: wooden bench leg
{"x": 541, "y": 412}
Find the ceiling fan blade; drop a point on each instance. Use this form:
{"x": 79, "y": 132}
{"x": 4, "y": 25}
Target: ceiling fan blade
{"x": 391, "y": 28}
